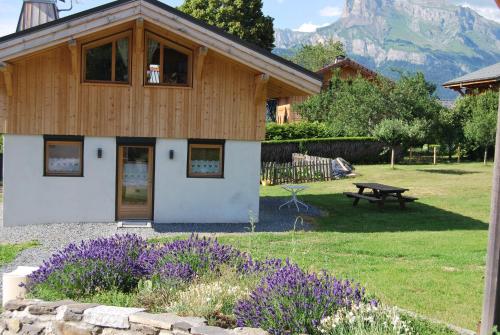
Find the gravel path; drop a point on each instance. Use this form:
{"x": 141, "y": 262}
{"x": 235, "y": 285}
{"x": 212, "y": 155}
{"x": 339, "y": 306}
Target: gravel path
{"x": 55, "y": 236}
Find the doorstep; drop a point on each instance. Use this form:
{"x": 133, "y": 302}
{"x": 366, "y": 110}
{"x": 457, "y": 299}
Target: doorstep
{"x": 134, "y": 224}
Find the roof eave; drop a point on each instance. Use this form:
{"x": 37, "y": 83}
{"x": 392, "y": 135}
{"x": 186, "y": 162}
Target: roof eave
{"x": 84, "y": 23}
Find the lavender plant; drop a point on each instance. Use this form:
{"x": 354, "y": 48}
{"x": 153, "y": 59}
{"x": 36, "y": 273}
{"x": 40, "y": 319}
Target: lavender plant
{"x": 92, "y": 266}
{"x": 292, "y": 301}
{"x": 185, "y": 259}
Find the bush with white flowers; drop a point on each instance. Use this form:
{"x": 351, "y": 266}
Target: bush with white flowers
{"x": 364, "y": 319}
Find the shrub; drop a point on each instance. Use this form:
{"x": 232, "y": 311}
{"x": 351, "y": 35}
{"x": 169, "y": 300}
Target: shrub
{"x": 104, "y": 264}
{"x": 365, "y": 319}
{"x": 357, "y": 150}
{"x": 291, "y": 301}
{"x": 186, "y": 259}
{"x": 298, "y": 130}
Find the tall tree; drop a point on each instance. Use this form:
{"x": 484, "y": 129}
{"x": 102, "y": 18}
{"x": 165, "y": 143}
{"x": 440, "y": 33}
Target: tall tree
{"x": 391, "y": 132}
{"x": 350, "y": 107}
{"x": 480, "y": 128}
{"x": 315, "y": 57}
{"x": 243, "y": 18}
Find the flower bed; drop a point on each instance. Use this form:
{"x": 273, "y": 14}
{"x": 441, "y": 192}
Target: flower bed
{"x": 200, "y": 277}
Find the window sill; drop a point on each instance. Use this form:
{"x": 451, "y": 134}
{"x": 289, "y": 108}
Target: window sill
{"x": 182, "y": 87}
{"x": 110, "y": 84}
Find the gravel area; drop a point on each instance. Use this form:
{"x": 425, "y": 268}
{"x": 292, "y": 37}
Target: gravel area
{"x": 55, "y": 236}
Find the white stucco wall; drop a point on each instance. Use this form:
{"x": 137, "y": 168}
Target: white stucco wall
{"x": 179, "y": 199}
{"x": 31, "y": 198}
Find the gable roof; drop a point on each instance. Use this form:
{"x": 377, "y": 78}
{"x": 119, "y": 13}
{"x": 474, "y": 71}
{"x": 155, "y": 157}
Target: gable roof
{"x": 487, "y": 74}
{"x": 345, "y": 62}
{"x": 119, "y": 11}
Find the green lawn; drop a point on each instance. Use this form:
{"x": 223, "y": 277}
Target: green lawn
{"x": 8, "y": 252}
{"x": 429, "y": 258}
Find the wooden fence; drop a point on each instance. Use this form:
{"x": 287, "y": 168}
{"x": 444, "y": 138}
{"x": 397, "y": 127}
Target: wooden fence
{"x": 272, "y": 173}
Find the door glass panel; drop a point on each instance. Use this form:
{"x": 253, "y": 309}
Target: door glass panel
{"x": 135, "y": 176}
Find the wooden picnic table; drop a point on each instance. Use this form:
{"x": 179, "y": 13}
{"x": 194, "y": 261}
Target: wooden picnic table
{"x": 379, "y": 194}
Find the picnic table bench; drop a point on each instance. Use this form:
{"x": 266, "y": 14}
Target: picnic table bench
{"x": 380, "y": 194}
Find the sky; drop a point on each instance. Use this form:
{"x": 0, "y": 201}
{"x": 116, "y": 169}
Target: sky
{"x": 298, "y": 15}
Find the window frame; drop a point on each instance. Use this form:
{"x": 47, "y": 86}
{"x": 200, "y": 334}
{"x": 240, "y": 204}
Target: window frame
{"x": 65, "y": 140}
{"x": 164, "y": 42}
{"x": 221, "y": 144}
{"x": 106, "y": 40}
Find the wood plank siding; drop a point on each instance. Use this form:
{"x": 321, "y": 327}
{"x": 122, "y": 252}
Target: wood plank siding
{"x": 49, "y": 96}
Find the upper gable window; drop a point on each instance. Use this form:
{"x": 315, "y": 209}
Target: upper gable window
{"x": 167, "y": 63}
{"x": 108, "y": 59}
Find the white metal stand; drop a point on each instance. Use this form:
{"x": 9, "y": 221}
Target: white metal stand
{"x": 294, "y": 189}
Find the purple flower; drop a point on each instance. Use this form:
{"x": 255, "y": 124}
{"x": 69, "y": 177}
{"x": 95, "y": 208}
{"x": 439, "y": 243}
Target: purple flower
{"x": 291, "y": 301}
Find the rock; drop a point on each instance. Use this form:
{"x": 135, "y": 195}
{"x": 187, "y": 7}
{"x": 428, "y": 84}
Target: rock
{"x": 182, "y": 326}
{"x": 31, "y": 330}
{"x": 194, "y": 321}
{"x": 162, "y": 321}
{"x": 250, "y": 331}
{"x": 13, "y": 325}
{"x": 108, "y": 316}
{"x": 69, "y": 328}
{"x": 111, "y": 331}
{"x": 65, "y": 314}
{"x": 80, "y": 308}
{"x": 19, "y": 305}
{"x": 47, "y": 307}
{"x": 143, "y": 329}
{"x": 209, "y": 330}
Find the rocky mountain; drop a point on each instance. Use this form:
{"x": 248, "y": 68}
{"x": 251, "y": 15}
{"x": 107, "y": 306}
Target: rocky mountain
{"x": 440, "y": 39}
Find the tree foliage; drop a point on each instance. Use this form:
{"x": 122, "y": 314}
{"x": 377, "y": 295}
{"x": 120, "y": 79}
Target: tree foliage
{"x": 243, "y": 18}
{"x": 480, "y": 127}
{"x": 354, "y": 107}
{"x": 315, "y": 57}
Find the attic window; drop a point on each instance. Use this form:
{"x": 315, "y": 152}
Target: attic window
{"x": 167, "y": 63}
{"x": 108, "y": 59}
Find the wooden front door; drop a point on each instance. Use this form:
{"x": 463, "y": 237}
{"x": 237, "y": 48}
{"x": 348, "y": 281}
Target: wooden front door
{"x": 135, "y": 182}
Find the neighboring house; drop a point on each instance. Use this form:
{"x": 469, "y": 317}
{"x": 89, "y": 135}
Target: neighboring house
{"x": 348, "y": 69}
{"x": 135, "y": 111}
{"x": 487, "y": 78}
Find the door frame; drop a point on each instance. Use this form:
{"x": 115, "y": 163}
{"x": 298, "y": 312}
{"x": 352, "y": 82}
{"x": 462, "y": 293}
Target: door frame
{"x": 143, "y": 141}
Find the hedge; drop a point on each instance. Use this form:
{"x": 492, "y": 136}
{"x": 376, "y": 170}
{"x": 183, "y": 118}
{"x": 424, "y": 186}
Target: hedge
{"x": 357, "y": 150}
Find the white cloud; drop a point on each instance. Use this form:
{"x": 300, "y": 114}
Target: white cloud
{"x": 491, "y": 13}
{"x": 309, "y": 27}
{"x": 331, "y": 11}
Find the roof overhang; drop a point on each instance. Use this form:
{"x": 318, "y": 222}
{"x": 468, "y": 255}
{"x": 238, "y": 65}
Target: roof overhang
{"x": 462, "y": 84}
{"x": 121, "y": 11}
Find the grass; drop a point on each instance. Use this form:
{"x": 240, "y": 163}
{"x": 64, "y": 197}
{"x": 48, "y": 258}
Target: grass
{"x": 429, "y": 259}
{"x": 8, "y": 252}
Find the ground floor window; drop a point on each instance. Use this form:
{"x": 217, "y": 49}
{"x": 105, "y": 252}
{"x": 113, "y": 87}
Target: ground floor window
{"x": 206, "y": 159}
{"x": 63, "y": 156}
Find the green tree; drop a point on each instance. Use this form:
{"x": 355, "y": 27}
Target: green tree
{"x": 243, "y": 18}
{"x": 353, "y": 107}
{"x": 480, "y": 128}
{"x": 349, "y": 107}
{"x": 392, "y": 132}
{"x": 416, "y": 134}
{"x": 315, "y": 57}
{"x": 450, "y": 129}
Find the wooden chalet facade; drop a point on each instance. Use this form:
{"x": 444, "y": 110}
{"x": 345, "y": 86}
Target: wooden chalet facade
{"x": 485, "y": 79}
{"x": 348, "y": 69}
{"x": 135, "y": 89}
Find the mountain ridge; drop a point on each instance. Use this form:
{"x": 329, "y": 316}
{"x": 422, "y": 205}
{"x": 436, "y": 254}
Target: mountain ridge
{"x": 440, "y": 39}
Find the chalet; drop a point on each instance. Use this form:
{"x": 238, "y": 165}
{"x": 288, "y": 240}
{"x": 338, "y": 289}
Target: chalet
{"x": 484, "y": 79}
{"x": 134, "y": 111}
{"x": 347, "y": 67}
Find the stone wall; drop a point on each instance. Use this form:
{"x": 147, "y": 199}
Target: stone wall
{"x": 36, "y": 317}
